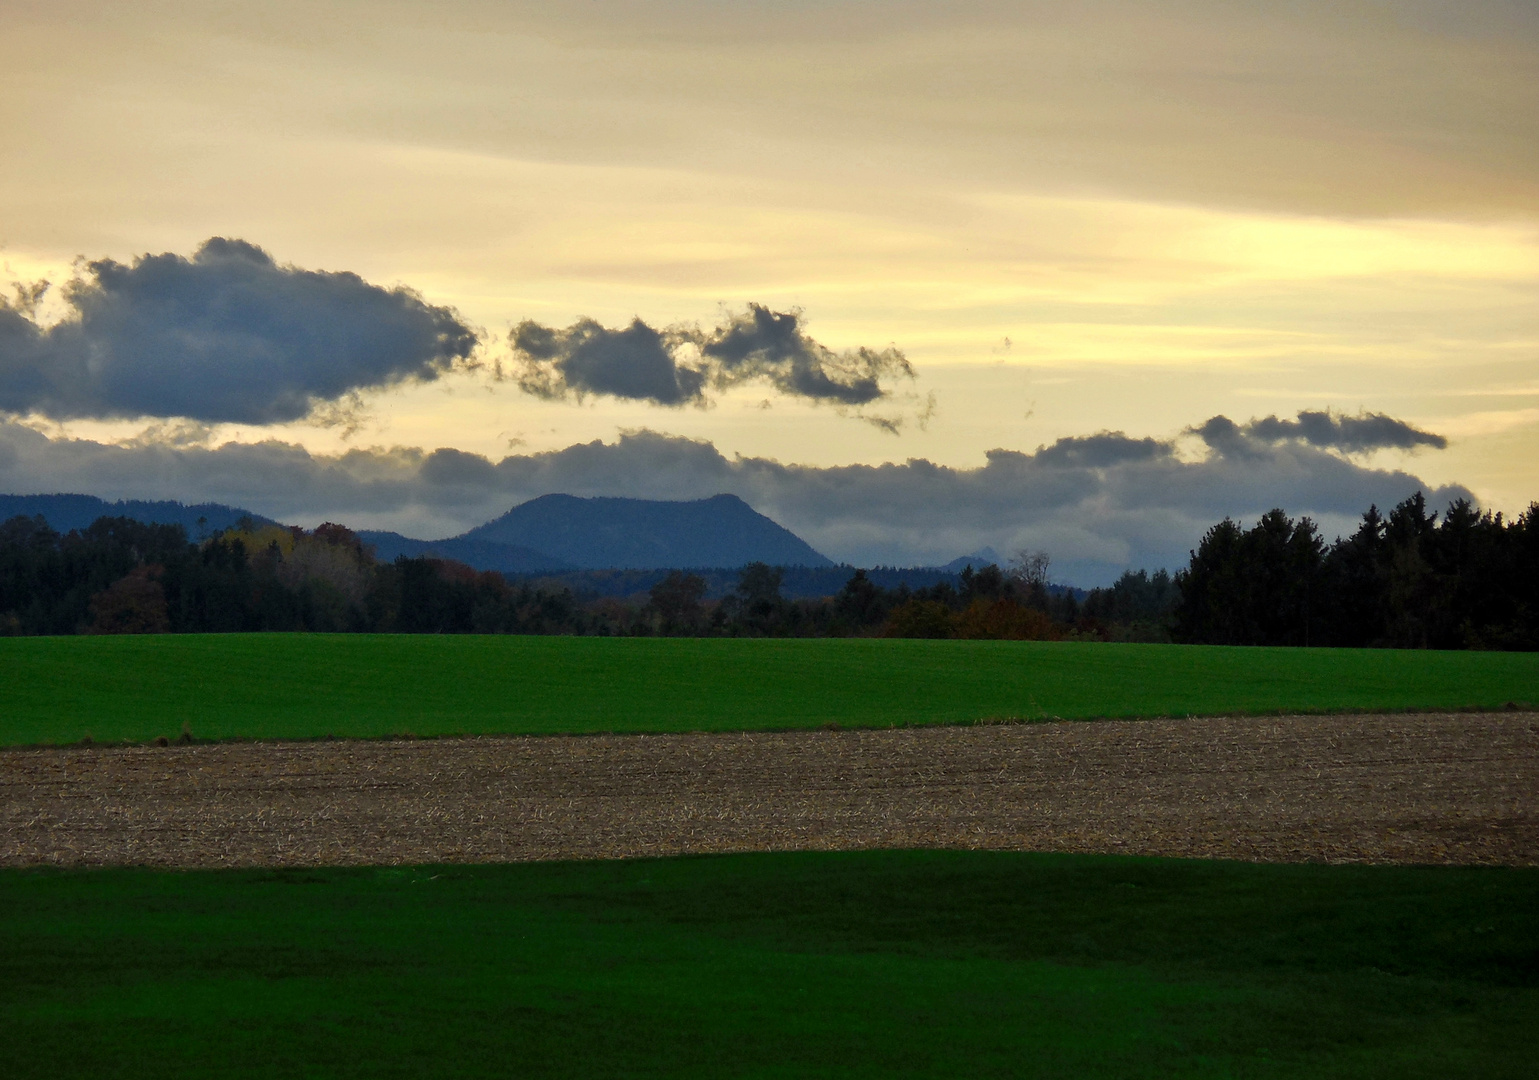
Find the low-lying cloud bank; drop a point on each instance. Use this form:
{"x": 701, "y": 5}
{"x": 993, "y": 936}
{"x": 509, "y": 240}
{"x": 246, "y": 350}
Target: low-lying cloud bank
{"x": 227, "y": 335}
{"x": 1098, "y": 503}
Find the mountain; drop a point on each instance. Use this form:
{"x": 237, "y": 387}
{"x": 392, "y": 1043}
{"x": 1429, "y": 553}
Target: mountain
{"x": 985, "y": 556}
{"x": 66, "y": 512}
{"x": 481, "y": 554}
{"x": 553, "y": 533}
{"x": 722, "y": 531}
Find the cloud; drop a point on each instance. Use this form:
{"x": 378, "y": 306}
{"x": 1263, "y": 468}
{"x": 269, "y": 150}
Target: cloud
{"x": 1358, "y": 434}
{"x": 681, "y": 365}
{"x": 1353, "y": 434}
{"x": 1103, "y": 449}
{"x": 227, "y": 335}
{"x": 769, "y": 345}
{"x": 586, "y": 358}
{"x": 1098, "y": 504}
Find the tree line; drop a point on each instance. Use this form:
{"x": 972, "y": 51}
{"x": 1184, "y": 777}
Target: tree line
{"x": 121, "y": 576}
{"x": 1413, "y": 579}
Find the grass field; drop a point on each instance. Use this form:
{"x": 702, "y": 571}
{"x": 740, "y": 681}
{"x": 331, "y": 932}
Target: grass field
{"x": 883, "y": 964}
{"x": 58, "y": 690}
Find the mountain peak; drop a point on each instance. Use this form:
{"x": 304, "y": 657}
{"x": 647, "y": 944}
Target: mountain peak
{"x": 604, "y": 532}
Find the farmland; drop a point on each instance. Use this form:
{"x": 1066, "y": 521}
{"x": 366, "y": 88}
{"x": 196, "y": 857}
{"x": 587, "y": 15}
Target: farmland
{"x": 890, "y": 964}
{"x": 379, "y": 918}
{"x": 1459, "y": 788}
{"x": 297, "y": 686}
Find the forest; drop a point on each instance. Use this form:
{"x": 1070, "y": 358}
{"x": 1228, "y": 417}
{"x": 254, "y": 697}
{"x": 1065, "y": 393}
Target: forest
{"x": 1411, "y": 579}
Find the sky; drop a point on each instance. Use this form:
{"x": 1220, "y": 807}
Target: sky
{"x": 911, "y": 278}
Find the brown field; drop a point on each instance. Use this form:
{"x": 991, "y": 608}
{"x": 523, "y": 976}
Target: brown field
{"x": 1461, "y": 788}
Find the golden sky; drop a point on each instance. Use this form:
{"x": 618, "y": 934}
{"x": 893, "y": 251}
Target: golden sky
{"x": 1069, "y": 218}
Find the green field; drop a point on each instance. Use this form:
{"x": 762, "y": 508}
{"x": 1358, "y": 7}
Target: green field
{"x": 883, "y": 964}
{"x": 58, "y": 690}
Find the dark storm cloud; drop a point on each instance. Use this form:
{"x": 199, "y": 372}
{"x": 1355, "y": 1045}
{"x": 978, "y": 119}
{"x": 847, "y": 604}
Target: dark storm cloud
{"x": 1098, "y": 503}
{"x": 1350, "y": 434}
{"x": 680, "y": 365}
{"x": 227, "y": 335}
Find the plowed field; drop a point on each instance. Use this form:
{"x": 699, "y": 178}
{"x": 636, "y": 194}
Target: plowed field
{"x": 1456, "y": 788}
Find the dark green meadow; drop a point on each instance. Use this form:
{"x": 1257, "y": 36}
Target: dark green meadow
{"x": 135, "y": 688}
{"x": 881, "y": 964}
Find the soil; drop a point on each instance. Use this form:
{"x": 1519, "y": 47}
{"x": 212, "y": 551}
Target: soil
{"x": 1460, "y": 788}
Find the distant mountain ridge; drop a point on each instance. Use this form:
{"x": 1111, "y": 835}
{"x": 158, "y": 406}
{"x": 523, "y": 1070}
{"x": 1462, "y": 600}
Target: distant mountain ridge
{"x": 66, "y": 512}
{"x": 549, "y": 534}
{"x": 614, "y": 533}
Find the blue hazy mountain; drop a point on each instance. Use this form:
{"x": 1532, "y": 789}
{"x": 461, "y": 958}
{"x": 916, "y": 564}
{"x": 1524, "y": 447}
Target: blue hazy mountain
{"x": 985, "y": 556}
{"x": 603, "y": 533}
{"x": 66, "y": 512}
{"x": 481, "y": 554}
